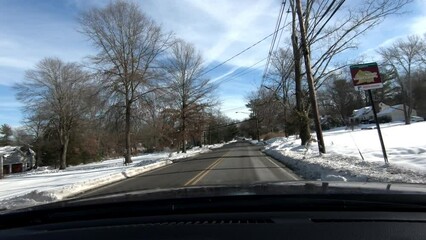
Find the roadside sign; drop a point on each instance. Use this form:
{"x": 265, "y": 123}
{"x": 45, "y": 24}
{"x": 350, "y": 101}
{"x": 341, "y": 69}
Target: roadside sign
{"x": 366, "y": 76}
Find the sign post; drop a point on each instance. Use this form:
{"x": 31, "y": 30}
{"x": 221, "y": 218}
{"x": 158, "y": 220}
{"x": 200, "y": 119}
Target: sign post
{"x": 366, "y": 77}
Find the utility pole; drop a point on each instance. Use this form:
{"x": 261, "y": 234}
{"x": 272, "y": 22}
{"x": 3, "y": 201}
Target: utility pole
{"x": 1, "y": 166}
{"x": 312, "y": 94}
{"x": 257, "y": 127}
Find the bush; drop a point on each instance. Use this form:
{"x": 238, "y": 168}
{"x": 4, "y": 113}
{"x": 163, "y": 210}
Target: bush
{"x": 325, "y": 126}
{"x": 384, "y": 119}
{"x": 272, "y": 135}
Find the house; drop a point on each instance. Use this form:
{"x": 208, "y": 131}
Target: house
{"x": 364, "y": 114}
{"x": 17, "y": 159}
{"x": 395, "y": 112}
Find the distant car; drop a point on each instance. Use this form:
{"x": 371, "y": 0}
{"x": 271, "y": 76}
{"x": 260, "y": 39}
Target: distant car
{"x": 416, "y": 119}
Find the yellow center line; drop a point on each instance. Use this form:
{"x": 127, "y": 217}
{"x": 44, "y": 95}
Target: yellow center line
{"x": 206, "y": 172}
{"x": 203, "y": 173}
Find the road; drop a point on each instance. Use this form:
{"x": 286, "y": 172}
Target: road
{"x": 235, "y": 163}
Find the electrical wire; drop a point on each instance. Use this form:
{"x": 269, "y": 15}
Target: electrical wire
{"x": 282, "y": 30}
{"x": 332, "y": 14}
{"x": 233, "y": 109}
{"x": 243, "y": 51}
{"x": 322, "y": 27}
{"x": 271, "y": 48}
{"x": 241, "y": 73}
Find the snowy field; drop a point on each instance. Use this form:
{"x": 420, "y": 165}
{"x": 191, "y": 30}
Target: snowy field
{"x": 45, "y": 185}
{"x": 405, "y": 144}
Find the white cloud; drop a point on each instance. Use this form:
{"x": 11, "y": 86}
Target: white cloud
{"x": 4, "y": 43}
{"x": 371, "y": 53}
{"x": 234, "y": 107}
{"x": 16, "y": 63}
{"x": 219, "y": 29}
{"x": 419, "y": 24}
{"x": 7, "y": 104}
{"x": 225, "y": 74}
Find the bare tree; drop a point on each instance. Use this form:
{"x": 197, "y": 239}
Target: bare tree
{"x": 339, "y": 98}
{"x": 326, "y": 38}
{"x": 59, "y": 91}
{"x": 405, "y": 57}
{"x": 281, "y": 77}
{"x": 190, "y": 91}
{"x": 419, "y": 88}
{"x": 334, "y": 27}
{"x": 36, "y": 124}
{"x": 301, "y": 110}
{"x": 129, "y": 44}
{"x": 310, "y": 77}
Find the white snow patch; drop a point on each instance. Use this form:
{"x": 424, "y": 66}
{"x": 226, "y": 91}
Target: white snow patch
{"x": 406, "y": 150}
{"x": 44, "y": 185}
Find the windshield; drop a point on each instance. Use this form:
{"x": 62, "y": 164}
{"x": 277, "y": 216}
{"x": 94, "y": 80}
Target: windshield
{"x": 109, "y": 97}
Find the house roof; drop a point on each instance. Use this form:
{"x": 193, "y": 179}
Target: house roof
{"x": 361, "y": 112}
{"x": 7, "y": 150}
{"x": 391, "y": 109}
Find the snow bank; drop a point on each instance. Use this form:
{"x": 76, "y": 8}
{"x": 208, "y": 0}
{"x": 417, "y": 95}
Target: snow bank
{"x": 44, "y": 185}
{"x": 195, "y": 151}
{"x": 343, "y": 162}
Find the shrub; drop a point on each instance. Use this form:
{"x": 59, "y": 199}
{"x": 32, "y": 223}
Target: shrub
{"x": 384, "y": 119}
{"x": 272, "y": 135}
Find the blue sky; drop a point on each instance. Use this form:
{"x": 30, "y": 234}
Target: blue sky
{"x": 33, "y": 29}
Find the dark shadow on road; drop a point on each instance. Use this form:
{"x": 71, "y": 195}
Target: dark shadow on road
{"x": 202, "y": 169}
{"x": 226, "y": 149}
{"x": 216, "y": 157}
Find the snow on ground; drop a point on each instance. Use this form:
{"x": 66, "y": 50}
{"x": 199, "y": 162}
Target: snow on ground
{"x": 44, "y": 185}
{"x": 405, "y": 144}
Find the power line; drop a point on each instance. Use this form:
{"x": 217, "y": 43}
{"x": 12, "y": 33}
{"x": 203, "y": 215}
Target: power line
{"x": 282, "y": 30}
{"x": 277, "y": 27}
{"x": 322, "y": 17}
{"x": 245, "y": 50}
{"x": 332, "y": 14}
{"x": 210, "y": 128}
{"x": 322, "y": 27}
{"x": 232, "y": 109}
{"x": 241, "y": 73}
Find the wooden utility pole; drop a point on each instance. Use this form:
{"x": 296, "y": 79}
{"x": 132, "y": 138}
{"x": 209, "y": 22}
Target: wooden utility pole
{"x": 1, "y": 166}
{"x": 312, "y": 94}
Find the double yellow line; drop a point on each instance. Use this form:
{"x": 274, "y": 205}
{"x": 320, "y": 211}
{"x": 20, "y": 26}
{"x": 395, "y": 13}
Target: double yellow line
{"x": 203, "y": 173}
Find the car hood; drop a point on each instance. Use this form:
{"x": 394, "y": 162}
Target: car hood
{"x": 296, "y": 188}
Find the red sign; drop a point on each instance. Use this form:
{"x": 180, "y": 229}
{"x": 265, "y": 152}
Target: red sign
{"x": 366, "y": 76}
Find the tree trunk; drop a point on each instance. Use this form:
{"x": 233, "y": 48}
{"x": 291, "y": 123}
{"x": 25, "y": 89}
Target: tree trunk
{"x": 64, "y": 150}
{"x": 404, "y": 108}
{"x": 183, "y": 134}
{"x": 321, "y": 145}
{"x": 409, "y": 96}
{"x": 127, "y": 155}
{"x": 303, "y": 120}
{"x": 37, "y": 158}
{"x": 1, "y": 166}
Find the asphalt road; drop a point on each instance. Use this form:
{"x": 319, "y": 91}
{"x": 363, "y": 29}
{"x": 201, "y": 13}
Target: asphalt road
{"x": 235, "y": 163}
